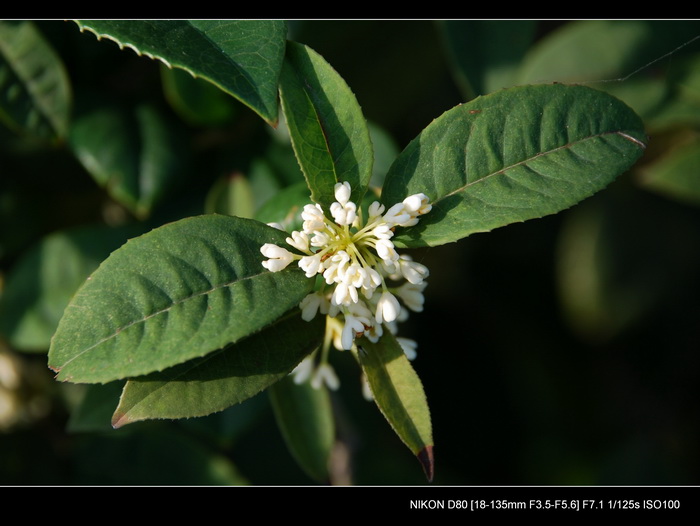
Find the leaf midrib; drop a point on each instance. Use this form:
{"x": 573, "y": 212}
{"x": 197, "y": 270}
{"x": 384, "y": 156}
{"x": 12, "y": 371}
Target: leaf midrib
{"x": 539, "y": 154}
{"x": 157, "y": 313}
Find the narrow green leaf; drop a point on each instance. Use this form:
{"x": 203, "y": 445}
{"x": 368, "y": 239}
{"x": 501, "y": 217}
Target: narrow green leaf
{"x": 487, "y": 53}
{"x": 179, "y": 292}
{"x": 305, "y": 417}
{"x": 43, "y": 281}
{"x": 135, "y": 154}
{"x": 399, "y": 394}
{"x": 35, "y": 94}
{"x": 329, "y": 133}
{"x": 222, "y": 378}
{"x": 514, "y": 155}
{"x": 242, "y": 57}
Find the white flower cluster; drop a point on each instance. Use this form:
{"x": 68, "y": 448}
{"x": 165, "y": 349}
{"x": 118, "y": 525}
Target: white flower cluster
{"x": 355, "y": 259}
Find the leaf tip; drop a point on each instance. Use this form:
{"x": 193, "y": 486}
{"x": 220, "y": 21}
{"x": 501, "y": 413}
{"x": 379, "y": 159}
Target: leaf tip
{"x": 119, "y": 419}
{"x": 425, "y": 457}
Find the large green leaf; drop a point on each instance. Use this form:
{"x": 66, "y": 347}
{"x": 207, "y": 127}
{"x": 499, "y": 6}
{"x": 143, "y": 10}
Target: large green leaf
{"x": 305, "y": 417}
{"x": 179, "y": 292}
{"x": 242, "y": 57}
{"x": 43, "y": 281}
{"x": 514, "y": 155}
{"x": 222, "y": 378}
{"x": 329, "y": 133}
{"x": 35, "y": 94}
{"x": 399, "y": 395}
{"x": 135, "y": 154}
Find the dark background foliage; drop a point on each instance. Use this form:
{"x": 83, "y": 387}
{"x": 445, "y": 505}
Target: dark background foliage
{"x": 563, "y": 350}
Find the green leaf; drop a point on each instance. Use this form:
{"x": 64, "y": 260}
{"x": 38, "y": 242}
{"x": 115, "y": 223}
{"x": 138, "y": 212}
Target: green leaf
{"x": 94, "y": 411}
{"x": 285, "y": 207}
{"x": 676, "y": 174}
{"x": 305, "y": 417}
{"x": 161, "y": 454}
{"x": 587, "y": 51}
{"x": 195, "y": 100}
{"x": 135, "y": 154}
{"x": 43, "y": 281}
{"x": 514, "y": 155}
{"x": 242, "y": 57}
{"x": 222, "y": 378}
{"x": 179, "y": 292}
{"x": 398, "y": 392}
{"x": 231, "y": 195}
{"x": 487, "y": 53}
{"x": 328, "y": 131}
{"x": 35, "y": 94}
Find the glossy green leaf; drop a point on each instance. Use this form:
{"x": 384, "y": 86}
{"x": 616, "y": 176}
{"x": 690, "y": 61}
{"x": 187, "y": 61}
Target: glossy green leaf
{"x": 178, "y": 292}
{"x": 487, "y": 53}
{"x": 35, "y": 93}
{"x": 195, "y": 100}
{"x": 43, "y": 281}
{"x": 136, "y": 155}
{"x": 222, "y": 378}
{"x": 676, "y": 174}
{"x": 514, "y": 155}
{"x": 326, "y": 125}
{"x": 242, "y": 57}
{"x": 305, "y": 417}
{"x": 399, "y": 394}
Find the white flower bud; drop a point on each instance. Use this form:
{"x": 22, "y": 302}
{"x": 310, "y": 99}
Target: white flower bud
{"x": 342, "y": 192}
{"x": 388, "y": 308}
{"x": 299, "y": 240}
{"x": 279, "y": 257}
{"x": 311, "y": 265}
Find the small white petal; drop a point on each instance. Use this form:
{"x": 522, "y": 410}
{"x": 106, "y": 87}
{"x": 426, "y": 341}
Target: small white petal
{"x": 386, "y": 250}
{"x": 278, "y": 226}
{"x": 299, "y": 240}
{"x": 279, "y": 257}
{"x": 388, "y": 308}
{"x": 375, "y": 210}
{"x": 409, "y": 347}
{"x": 325, "y": 374}
{"x": 396, "y": 215}
{"x": 310, "y": 305}
{"x": 342, "y": 192}
{"x": 412, "y": 295}
{"x": 311, "y": 265}
{"x": 412, "y": 271}
{"x": 302, "y": 372}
